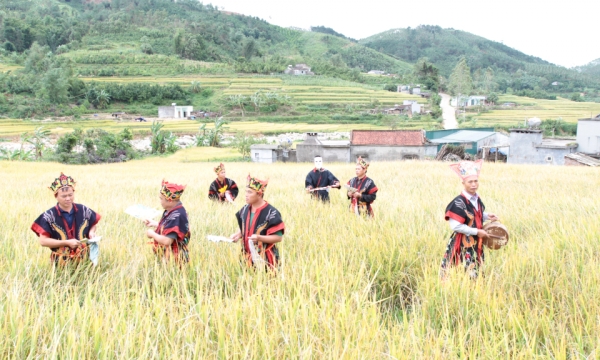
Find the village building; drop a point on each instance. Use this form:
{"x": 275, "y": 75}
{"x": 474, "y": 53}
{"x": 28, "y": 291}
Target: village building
{"x": 474, "y": 141}
{"x": 330, "y": 151}
{"x": 174, "y": 111}
{"x": 298, "y": 69}
{"x": 468, "y": 101}
{"x": 376, "y": 72}
{"x": 263, "y": 153}
{"x": 390, "y": 145}
{"x": 527, "y": 146}
{"x": 588, "y": 135}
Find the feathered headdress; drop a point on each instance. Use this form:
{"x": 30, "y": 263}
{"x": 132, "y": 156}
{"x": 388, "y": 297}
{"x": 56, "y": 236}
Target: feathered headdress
{"x": 467, "y": 169}
{"x": 172, "y": 191}
{"x": 61, "y": 182}
{"x": 257, "y": 185}
{"x": 363, "y": 164}
{"x": 219, "y": 168}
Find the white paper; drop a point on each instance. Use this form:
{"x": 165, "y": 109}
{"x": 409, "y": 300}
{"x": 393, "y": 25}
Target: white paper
{"x": 143, "y": 212}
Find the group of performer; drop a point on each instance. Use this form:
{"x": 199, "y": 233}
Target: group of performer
{"x": 68, "y": 228}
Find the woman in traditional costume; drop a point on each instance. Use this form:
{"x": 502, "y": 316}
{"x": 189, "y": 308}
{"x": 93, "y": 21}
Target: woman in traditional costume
{"x": 466, "y": 215}
{"x": 222, "y": 189}
{"x": 171, "y": 234}
{"x": 261, "y": 227}
{"x": 63, "y": 227}
{"x": 362, "y": 190}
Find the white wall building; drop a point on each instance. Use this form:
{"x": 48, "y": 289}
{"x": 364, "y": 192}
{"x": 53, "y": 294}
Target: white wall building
{"x": 588, "y": 135}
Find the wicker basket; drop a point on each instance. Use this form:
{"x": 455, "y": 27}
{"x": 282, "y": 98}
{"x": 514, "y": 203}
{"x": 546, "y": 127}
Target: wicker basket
{"x": 498, "y": 235}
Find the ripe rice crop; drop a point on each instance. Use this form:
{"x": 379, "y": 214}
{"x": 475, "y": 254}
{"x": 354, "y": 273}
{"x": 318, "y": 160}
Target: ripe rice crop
{"x": 349, "y": 288}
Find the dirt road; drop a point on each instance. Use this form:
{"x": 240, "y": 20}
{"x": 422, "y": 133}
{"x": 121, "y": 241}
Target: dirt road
{"x": 448, "y": 112}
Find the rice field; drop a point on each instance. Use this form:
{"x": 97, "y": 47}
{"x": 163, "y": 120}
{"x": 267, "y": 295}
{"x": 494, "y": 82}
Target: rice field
{"x": 561, "y": 108}
{"x": 306, "y": 94}
{"x": 15, "y": 127}
{"x": 348, "y": 288}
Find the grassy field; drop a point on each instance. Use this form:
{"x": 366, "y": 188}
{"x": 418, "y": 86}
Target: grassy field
{"x": 349, "y": 288}
{"x": 14, "y": 127}
{"x": 564, "y": 109}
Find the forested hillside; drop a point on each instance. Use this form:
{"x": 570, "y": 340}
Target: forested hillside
{"x": 513, "y": 70}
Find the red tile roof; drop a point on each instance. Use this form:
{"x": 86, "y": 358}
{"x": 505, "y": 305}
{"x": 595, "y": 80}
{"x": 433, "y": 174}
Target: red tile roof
{"x": 387, "y": 137}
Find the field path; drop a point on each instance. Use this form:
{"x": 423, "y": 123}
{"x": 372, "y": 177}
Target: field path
{"x": 448, "y": 112}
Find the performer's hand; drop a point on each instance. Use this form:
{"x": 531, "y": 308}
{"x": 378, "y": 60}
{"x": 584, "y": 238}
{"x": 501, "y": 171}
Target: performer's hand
{"x": 308, "y": 189}
{"x": 357, "y": 195}
{"x": 72, "y": 243}
{"x": 482, "y": 234}
{"x": 350, "y": 194}
{"x": 254, "y": 238}
{"x": 150, "y": 223}
{"x": 235, "y": 237}
{"x": 150, "y": 233}
{"x": 92, "y": 234}
{"x": 493, "y": 217}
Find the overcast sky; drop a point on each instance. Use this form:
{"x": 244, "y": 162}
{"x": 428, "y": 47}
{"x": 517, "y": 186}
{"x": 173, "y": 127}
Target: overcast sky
{"x": 566, "y": 33}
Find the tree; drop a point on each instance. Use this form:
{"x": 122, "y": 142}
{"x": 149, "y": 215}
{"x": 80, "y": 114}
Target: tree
{"x": 40, "y": 135}
{"x": 461, "y": 82}
{"x": 249, "y": 49}
{"x": 54, "y": 87}
{"x": 488, "y": 81}
{"x": 242, "y": 144}
{"x": 195, "y": 87}
{"x": 493, "y": 98}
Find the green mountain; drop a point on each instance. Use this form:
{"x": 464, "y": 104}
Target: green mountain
{"x": 102, "y": 32}
{"x": 513, "y": 69}
{"x": 591, "y": 69}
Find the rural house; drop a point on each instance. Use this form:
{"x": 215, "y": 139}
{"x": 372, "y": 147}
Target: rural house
{"x": 299, "y": 69}
{"x": 588, "y": 135}
{"x": 174, "y": 111}
{"x": 388, "y": 145}
{"x": 399, "y": 110}
{"x": 469, "y": 101}
{"x": 331, "y": 151}
{"x": 474, "y": 140}
{"x": 376, "y": 72}
{"x": 264, "y": 153}
{"x": 527, "y": 146}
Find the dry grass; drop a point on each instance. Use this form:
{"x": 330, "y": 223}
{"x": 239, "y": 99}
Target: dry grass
{"x": 350, "y": 288}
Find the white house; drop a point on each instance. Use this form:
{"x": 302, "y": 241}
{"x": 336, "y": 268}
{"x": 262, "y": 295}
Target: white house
{"x": 299, "y": 69}
{"x": 174, "y": 111}
{"x": 414, "y": 106}
{"x": 376, "y": 72}
{"x": 588, "y": 135}
{"x": 264, "y": 153}
{"x": 469, "y": 101}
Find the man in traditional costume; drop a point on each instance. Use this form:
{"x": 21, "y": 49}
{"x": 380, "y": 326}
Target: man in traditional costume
{"x": 362, "y": 190}
{"x": 222, "y": 189}
{"x": 65, "y": 227}
{"x": 320, "y": 178}
{"x": 261, "y": 227}
{"x": 172, "y": 233}
{"x": 466, "y": 215}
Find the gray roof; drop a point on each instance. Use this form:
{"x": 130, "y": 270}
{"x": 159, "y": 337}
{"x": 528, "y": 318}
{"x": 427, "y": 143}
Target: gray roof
{"x": 583, "y": 159}
{"x": 557, "y": 144}
{"x": 464, "y": 136}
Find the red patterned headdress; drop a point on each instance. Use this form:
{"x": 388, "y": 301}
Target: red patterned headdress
{"x": 257, "y": 185}
{"x": 219, "y": 168}
{"x": 363, "y": 164}
{"x": 61, "y": 182}
{"x": 467, "y": 169}
{"x": 172, "y": 191}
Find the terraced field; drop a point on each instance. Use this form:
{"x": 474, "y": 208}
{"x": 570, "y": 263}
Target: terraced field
{"x": 561, "y": 108}
{"x": 14, "y": 127}
{"x": 306, "y": 94}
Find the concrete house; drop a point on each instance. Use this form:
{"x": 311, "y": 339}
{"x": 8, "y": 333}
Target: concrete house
{"x": 376, "y": 72}
{"x": 415, "y": 107}
{"x": 527, "y": 146}
{"x": 389, "y": 145}
{"x": 263, "y": 153}
{"x": 331, "y": 151}
{"x": 399, "y": 110}
{"x": 468, "y": 101}
{"x": 588, "y": 135}
{"x": 174, "y": 111}
{"x": 299, "y": 69}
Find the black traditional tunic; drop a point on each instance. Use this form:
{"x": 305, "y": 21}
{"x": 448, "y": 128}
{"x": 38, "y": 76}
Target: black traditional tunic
{"x": 463, "y": 247}
{"x": 320, "y": 178}
{"x": 265, "y": 221}
{"x": 216, "y": 188}
{"x": 175, "y": 225}
{"x": 53, "y": 225}
{"x": 368, "y": 190}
